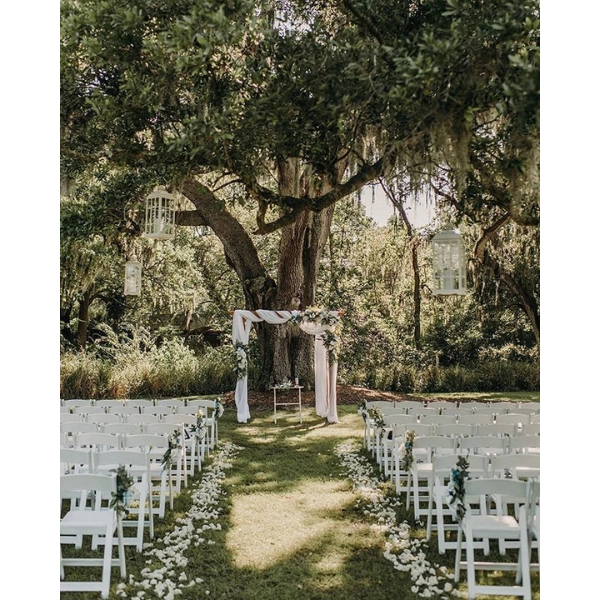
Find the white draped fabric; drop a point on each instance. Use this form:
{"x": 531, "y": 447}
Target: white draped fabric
{"x": 325, "y": 373}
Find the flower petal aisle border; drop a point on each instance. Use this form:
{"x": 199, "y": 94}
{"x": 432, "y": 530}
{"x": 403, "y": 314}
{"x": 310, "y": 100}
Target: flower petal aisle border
{"x": 407, "y": 555}
{"x": 168, "y": 580}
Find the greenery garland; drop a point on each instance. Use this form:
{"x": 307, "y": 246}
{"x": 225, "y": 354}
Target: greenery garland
{"x": 456, "y": 488}
{"x": 331, "y": 342}
{"x": 120, "y": 499}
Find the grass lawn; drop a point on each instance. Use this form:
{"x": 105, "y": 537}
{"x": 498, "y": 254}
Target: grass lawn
{"x": 290, "y": 524}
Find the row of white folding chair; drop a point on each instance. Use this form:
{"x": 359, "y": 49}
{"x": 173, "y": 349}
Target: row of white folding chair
{"x": 425, "y": 447}
{"x": 125, "y": 414}
{"x": 399, "y": 424}
{"x": 166, "y": 479}
{"x": 196, "y": 445}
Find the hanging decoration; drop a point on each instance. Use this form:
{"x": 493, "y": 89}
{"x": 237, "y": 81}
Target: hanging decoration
{"x": 449, "y": 272}
{"x": 160, "y": 215}
{"x": 133, "y": 277}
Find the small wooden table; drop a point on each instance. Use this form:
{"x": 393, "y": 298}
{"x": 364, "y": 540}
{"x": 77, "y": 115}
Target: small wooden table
{"x": 287, "y": 388}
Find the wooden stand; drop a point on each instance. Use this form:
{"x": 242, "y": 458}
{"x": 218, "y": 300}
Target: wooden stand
{"x": 297, "y": 402}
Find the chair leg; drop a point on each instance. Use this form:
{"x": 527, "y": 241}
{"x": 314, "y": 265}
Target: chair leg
{"x": 121, "y": 545}
{"x": 107, "y": 563}
{"x": 470, "y": 563}
{"x": 458, "y": 556}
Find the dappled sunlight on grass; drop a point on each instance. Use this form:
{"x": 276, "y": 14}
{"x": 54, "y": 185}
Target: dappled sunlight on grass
{"x": 266, "y": 527}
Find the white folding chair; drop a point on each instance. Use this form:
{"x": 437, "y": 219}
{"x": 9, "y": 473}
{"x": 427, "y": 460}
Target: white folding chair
{"x": 161, "y": 474}
{"x": 209, "y": 406}
{"x": 108, "y": 403}
{"x": 395, "y": 425}
{"x": 173, "y": 403}
{"x": 487, "y": 445}
{"x": 70, "y": 430}
{"x": 103, "y": 418}
{"x": 139, "y": 502}
{"x": 143, "y": 419}
{"x": 438, "y": 509}
{"x": 456, "y": 430}
{"x": 159, "y": 410}
{"x": 441, "y": 405}
{"x": 425, "y": 448}
{"x": 123, "y": 409}
{"x": 72, "y": 403}
{"x": 409, "y": 404}
{"x": 75, "y": 461}
{"x": 97, "y": 441}
{"x": 501, "y": 527}
{"x": 122, "y": 429}
{"x": 457, "y": 412}
{"x": 95, "y": 518}
{"x": 178, "y": 477}
{"x": 433, "y": 419}
{"x": 507, "y": 430}
{"x": 140, "y": 402}
{"x": 476, "y": 419}
{"x": 87, "y": 409}
{"x": 525, "y": 444}
{"x": 515, "y": 466}
{"x": 194, "y": 446}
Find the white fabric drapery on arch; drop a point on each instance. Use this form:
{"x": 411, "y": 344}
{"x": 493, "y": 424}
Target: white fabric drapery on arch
{"x": 325, "y": 371}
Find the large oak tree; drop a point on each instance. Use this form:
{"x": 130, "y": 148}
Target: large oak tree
{"x": 303, "y": 103}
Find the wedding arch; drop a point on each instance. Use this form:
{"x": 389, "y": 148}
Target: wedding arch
{"x": 316, "y": 322}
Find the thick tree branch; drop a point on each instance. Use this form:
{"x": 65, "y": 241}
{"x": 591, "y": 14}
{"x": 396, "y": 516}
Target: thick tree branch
{"x": 294, "y": 206}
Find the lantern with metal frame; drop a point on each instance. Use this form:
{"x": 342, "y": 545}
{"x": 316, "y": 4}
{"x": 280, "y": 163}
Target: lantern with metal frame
{"x": 133, "y": 277}
{"x": 449, "y": 271}
{"x": 160, "y": 215}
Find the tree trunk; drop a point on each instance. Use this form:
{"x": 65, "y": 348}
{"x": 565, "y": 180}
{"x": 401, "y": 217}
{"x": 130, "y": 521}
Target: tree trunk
{"x": 83, "y": 319}
{"x": 300, "y": 250}
{"x": 241, "y": 255}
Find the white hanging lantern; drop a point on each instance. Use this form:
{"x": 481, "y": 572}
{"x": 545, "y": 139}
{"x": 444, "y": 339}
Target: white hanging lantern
{"x": 133, "y": 277}
{"x": 449, "y": 273}
{"x": 160, "y": 215}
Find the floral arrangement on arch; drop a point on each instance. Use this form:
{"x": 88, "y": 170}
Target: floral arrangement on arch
{"x": 455, "y": 492}
{"x": 241, "y": 360}
{"x": 314, "y": 314}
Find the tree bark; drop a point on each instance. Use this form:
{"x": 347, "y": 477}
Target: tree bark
{"x": 300, "y": 250}
{"x": 241, "y": 255}
{"x": 83, "y": 319}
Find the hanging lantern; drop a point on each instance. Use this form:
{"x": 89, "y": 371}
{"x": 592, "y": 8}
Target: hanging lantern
{"x": 160, "y": 215}
{"x": 449, "y": 273}
{"x": 133, "y": 277}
